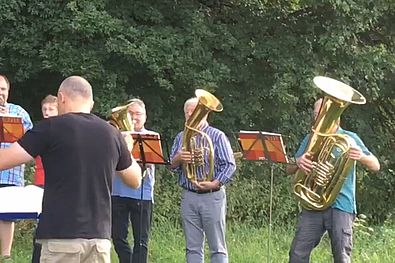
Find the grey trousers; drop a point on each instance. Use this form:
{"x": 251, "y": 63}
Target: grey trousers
{"x": 203, "y": 215}
{"x": 312, "y": 226}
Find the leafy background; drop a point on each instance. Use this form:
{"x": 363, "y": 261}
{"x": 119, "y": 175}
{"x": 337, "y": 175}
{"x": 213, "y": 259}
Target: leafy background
{"x": 258, "y": 57}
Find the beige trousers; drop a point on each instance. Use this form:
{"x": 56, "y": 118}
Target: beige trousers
{"x": 75, "y": 250}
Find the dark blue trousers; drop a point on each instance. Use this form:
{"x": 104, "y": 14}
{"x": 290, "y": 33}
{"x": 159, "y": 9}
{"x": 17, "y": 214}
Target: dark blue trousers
{"x": 125, "y": 210}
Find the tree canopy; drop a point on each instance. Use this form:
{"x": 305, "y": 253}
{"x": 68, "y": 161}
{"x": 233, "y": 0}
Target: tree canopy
{"x": 257, "y": 57}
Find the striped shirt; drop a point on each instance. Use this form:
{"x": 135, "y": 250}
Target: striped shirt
{"x": 224, "y": 162}
{"x": 15, "y": 175}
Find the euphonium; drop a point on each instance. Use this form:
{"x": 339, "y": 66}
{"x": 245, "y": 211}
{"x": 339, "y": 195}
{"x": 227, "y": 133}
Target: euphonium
{"x": 120, "y": 118}
{"x": 197, "y": 142}
{"x": 329, "y": 151}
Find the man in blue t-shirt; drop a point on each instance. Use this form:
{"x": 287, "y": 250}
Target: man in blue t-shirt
{"x": 133, "y": 205}
{"x": 339, "y": 217}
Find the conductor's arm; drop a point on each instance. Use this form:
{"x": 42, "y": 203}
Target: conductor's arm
{"x": 13, "y": 156}
{"x": 131, "y": 176}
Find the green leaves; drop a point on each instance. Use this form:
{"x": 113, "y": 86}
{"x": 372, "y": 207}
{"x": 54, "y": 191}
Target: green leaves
{"x": 257, "y": 57}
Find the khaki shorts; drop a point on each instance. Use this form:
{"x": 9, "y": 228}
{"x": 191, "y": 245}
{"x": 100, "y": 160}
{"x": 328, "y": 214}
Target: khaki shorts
{"x": 75, "y": 250}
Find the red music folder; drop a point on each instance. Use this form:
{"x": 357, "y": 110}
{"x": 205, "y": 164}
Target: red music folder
{"x": 150, "y": 146}
{"x": 258, "y": 145}
{"x": 11, "y": 128}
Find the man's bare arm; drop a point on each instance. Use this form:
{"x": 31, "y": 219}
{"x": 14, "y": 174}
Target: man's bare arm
{"x": 131, "y": 176}
{"x": 13, "y": 156}
{"x": 369, "y": 161}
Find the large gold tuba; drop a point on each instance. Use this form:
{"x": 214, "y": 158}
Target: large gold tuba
{"x": 200, "y": 146}
{"x": 120, "y": 117}
{"x": 329, "y": 151}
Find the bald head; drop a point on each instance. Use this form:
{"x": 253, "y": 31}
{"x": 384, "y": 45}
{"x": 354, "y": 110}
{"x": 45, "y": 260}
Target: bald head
{"x": 76, "y": 86}
{"x": 75, "y": 95}
{"x": 189, "y": 107}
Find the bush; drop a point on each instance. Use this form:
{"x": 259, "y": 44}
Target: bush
{"x": 248, "y": 196}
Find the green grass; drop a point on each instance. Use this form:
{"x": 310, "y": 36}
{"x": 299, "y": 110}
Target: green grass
{"x": 245, "y": 244}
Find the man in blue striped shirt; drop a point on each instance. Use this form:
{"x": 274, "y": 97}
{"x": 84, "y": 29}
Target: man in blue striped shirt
{"x": 13, "y": 176}
{"x": 203, "y": 203}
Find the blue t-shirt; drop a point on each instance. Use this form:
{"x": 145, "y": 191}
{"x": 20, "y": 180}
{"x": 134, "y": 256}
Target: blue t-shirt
{"x": 122, "y": 190}
{"x": 345, "y": 201}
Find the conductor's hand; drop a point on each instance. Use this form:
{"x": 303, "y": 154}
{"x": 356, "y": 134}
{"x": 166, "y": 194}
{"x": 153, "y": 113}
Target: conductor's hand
{"x": 304, "y": 163}
{"x": 206, "y": 185}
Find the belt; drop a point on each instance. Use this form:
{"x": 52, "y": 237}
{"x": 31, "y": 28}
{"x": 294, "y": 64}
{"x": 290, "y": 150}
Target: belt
{"x": 202, "y": 191}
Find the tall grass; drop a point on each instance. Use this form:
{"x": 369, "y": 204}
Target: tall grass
{"x": 245, "y": 244}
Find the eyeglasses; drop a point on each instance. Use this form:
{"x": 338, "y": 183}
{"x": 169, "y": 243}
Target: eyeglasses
{"x": 137, "y": 114}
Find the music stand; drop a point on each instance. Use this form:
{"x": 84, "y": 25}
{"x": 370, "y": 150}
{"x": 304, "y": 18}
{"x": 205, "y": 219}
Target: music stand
{"x": 147, "y": 149}
{"x": 11, "y": 128}
{"x": 264, "y": 146}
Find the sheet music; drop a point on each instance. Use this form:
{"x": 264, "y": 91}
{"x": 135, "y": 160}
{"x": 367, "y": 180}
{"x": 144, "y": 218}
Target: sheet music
{"x": 11, "y": 128}
{"x": 151, "y": 147}
{"x": 259, "y": 145}
{"x": 261, "y": 132}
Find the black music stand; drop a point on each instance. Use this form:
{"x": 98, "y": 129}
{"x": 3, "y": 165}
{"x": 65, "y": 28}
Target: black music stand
{"x": 268, "y": 147}
{"x": 11, "y": 128}
{"x": 147, "y": 149}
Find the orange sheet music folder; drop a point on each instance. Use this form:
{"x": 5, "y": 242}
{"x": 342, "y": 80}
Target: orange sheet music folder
{"x": 150, "y": 145}
{"x": 11, "y": 128}
{"x": 258, "y": 145}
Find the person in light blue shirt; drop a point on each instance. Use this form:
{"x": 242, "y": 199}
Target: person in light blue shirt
{"x": 203, "y": 203}
{"x": 15, "y": 175}
{"x": 338, "y": 219}
{"x": 133, "y": 205}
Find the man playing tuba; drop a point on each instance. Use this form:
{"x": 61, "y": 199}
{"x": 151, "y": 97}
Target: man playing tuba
{"x": 203, "y": 201}
{"x": 339, "y": 217}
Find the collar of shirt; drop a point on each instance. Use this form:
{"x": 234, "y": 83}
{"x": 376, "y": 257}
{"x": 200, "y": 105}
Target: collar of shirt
{"x": 203, "y": 126}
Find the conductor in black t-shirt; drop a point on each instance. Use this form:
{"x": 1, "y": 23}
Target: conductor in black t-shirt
{"x": 80, "y": 154}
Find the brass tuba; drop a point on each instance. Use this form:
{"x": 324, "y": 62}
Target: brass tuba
{"x": 329, "y": 151}
{"x": 200, "y": 146}
{"x": 120, "y": 117}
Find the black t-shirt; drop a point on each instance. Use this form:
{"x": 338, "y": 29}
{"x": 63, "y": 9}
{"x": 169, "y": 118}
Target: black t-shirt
{"x": 80, "y": 154}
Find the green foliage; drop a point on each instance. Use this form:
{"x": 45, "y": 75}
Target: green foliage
{"x": 258, "y": 57}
